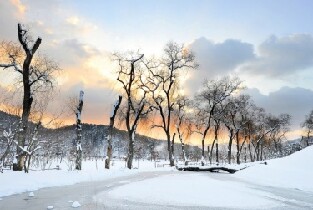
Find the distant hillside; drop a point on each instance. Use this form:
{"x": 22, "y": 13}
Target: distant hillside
{"x": 61, "y": 141}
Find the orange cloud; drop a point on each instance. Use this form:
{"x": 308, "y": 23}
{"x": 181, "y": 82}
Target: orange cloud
{"x": 21, "y": 8}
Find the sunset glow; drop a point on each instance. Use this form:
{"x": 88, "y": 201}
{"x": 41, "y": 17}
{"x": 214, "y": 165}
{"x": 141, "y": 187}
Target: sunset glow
{"x": 82, "y": 36}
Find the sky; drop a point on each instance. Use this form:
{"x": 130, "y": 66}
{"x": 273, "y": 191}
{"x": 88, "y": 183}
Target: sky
{"x": 268, "y": 44}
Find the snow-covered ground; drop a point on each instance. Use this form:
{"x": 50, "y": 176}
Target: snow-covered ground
{"x": 294, "y": 171}
{"x": 18, "y": 182}
{"x": 247, "y": 188}
{"x": 192, "y": 189}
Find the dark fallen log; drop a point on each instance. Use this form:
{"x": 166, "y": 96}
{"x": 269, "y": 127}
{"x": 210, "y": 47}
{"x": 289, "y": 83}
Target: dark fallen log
{"x": 210, "y": 169}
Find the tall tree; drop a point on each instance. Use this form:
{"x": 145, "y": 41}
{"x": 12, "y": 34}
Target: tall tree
{"x": 308, "y": 126}
{"x": 137, "y": 107}
{"x": 213, "y": 93}
{"x": 266, "y": 125}
{"x": 181, "y": 122}
{"x": 217, "y": 121}
{"x": 35, "y": 73}
{"x": 163, "y": 84}
{"x": 276, "y": 136}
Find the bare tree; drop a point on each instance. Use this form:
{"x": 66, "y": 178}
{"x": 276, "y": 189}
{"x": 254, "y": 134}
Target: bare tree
{"x": 266, "y": 125}
{"x": 218, "y": 115}
{"x": 137, "y": 106}
{"x": 111, "y": 127}
{"x": 9, "y": 136}
{"x": 276, "y": 136}
{"x": 181, "y": 122}
{"x": 35, "y": 74}
{"x": 308, "y": 126}
{"x": 243, "y": 104}
{"x": 163, "y": 84}
{"x": 213, "y": 93}
{"x": 235, "y": 119}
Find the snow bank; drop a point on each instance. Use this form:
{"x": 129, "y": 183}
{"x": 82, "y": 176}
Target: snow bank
{"x": 192, "y": 189}
{"x": 294, "y": 171}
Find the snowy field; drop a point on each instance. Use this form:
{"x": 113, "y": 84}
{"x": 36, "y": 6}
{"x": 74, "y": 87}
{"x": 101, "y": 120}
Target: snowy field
{"x": 294, "y": 171}
{"x": 18, "y": 182}
{"x": 192, "y": 189}
{"x": 259, "y": 185}
{"x": 288, "y": 172}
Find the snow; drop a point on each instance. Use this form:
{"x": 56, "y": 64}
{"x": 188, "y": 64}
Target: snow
{"x": 76, "y": 204}
{"x": 206, "y": 191}
{"x": 49, "y": 207}
{"x": 244, "y": 189}
{"x": 91, "y": 171}
{"x": 78, "y": 147}
{"x": 294, "y": 171}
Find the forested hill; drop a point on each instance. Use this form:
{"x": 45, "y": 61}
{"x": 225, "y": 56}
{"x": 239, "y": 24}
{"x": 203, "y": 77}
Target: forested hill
{"x": 94, "y": 141}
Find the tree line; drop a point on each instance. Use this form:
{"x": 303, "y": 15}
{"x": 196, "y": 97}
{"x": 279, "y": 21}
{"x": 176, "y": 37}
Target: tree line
{"x": 151, "y": 93}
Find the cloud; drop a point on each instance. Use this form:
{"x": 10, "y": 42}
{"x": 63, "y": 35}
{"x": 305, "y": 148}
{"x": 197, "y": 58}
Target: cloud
{"x": 11, "y": 11}
{"x": 295, "y": 101}
{"x": 72, "y": 41}
{"x": 98, "y": 102}
{"x": 279, "y": 57}
{"x": 217, "y": 59}
{"x": 81, "y": 48}
{"x": 71, "y": 52}
{"x": 74, "y": 20}
{"x": 277, "y": 60}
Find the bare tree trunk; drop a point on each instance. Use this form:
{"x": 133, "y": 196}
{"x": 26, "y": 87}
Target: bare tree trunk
{"x": 202, "y": 157}
{"x": 230, "y": 142}
{"x": 203, "y": 138}
{"x": 184, "y": 154}
{"x": 182, "y": 146}
{"x": 27, "y": 163}
{"x": 78, "y": 161}
{"x": 216, "y": 128}
{"x": 262, "y": 147}
{"x": 208, "y": 149}
{"x": 238, "y": 148}
{"x": 172, "y": 145}
{"x": 250, "y": 152}
{"x": 111, "y": 127}
{"x": 257, "y": 150}
{"x": 211, "y": 152}
{"x": 170, "y": 151}
{"x": 130, "y": 157}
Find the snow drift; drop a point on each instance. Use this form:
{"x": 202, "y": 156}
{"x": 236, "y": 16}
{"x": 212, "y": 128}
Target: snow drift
{"x": 294, "y": 171}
